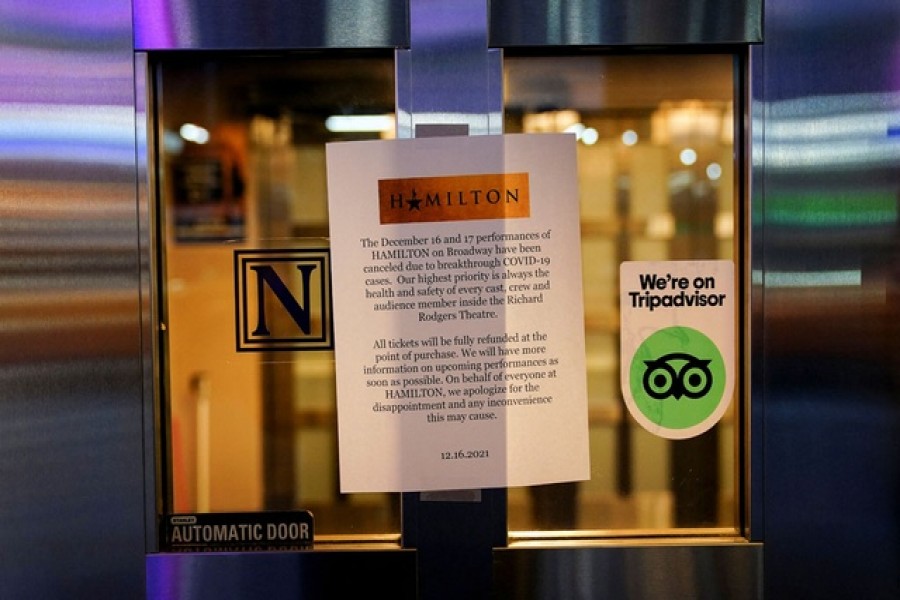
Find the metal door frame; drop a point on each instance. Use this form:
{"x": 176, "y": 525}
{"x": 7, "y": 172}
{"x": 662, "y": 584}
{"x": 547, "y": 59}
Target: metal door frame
{"x": 77, "y": 461}
{"x": 466, "y": 529}
{"x": 108, "y": 383}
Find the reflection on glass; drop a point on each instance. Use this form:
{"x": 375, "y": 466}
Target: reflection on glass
{"x": 656, "y": 179}
{"x": 242, "y": 167}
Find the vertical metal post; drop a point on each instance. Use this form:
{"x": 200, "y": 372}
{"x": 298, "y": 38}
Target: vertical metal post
{"x": 449, "y": 83}
{"x": 449, "y": 76}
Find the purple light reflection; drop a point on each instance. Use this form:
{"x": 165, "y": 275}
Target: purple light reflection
{"x": 65, "y": 15}
{"x": 50, "y": 76}
{"x": 154, "y": 28}
{"x": 438, "y": 21}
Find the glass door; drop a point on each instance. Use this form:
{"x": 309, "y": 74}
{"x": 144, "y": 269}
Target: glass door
{"x": 242, "y": 170}
{"x": 658, "y": 170}
{"x": 241, "y": 175}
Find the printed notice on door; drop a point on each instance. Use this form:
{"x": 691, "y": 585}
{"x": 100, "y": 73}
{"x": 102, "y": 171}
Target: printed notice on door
{"x": 458, "y": 317}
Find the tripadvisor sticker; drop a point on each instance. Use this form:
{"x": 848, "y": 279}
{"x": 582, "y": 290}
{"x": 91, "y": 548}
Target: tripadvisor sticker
{"x": 677, "y": 344}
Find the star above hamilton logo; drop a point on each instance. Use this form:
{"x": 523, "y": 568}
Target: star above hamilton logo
{"x": 414, "y": 202}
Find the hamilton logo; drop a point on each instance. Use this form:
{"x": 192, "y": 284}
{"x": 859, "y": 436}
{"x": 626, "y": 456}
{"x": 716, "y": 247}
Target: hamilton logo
{"x": 454, "y": 198}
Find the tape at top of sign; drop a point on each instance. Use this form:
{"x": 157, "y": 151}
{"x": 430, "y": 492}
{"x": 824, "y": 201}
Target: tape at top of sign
{"x": 677, "y": 344}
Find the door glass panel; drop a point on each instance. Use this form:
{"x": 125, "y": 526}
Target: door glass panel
{"x": 656, "y": 167}
{"x": 241, "y": 167}
{"x": 241, "y": 158}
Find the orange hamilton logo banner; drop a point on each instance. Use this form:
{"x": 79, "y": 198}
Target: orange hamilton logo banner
{"x": 454, "y": 198}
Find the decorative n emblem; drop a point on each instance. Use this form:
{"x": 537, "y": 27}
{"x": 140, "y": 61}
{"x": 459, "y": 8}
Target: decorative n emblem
{"x": 282, "y": 300}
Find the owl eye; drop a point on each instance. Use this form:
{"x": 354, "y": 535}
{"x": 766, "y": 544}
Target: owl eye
{"x": 658, "y": 379}
{"x": 696, "y": 379}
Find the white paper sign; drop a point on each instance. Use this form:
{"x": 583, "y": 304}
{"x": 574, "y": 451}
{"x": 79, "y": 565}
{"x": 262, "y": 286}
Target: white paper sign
{"x": 677, "y": 339}
{"x": 459, "y": 332}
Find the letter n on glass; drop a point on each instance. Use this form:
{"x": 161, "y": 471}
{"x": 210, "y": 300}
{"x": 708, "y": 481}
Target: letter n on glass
{"x": 283, "y": 300}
